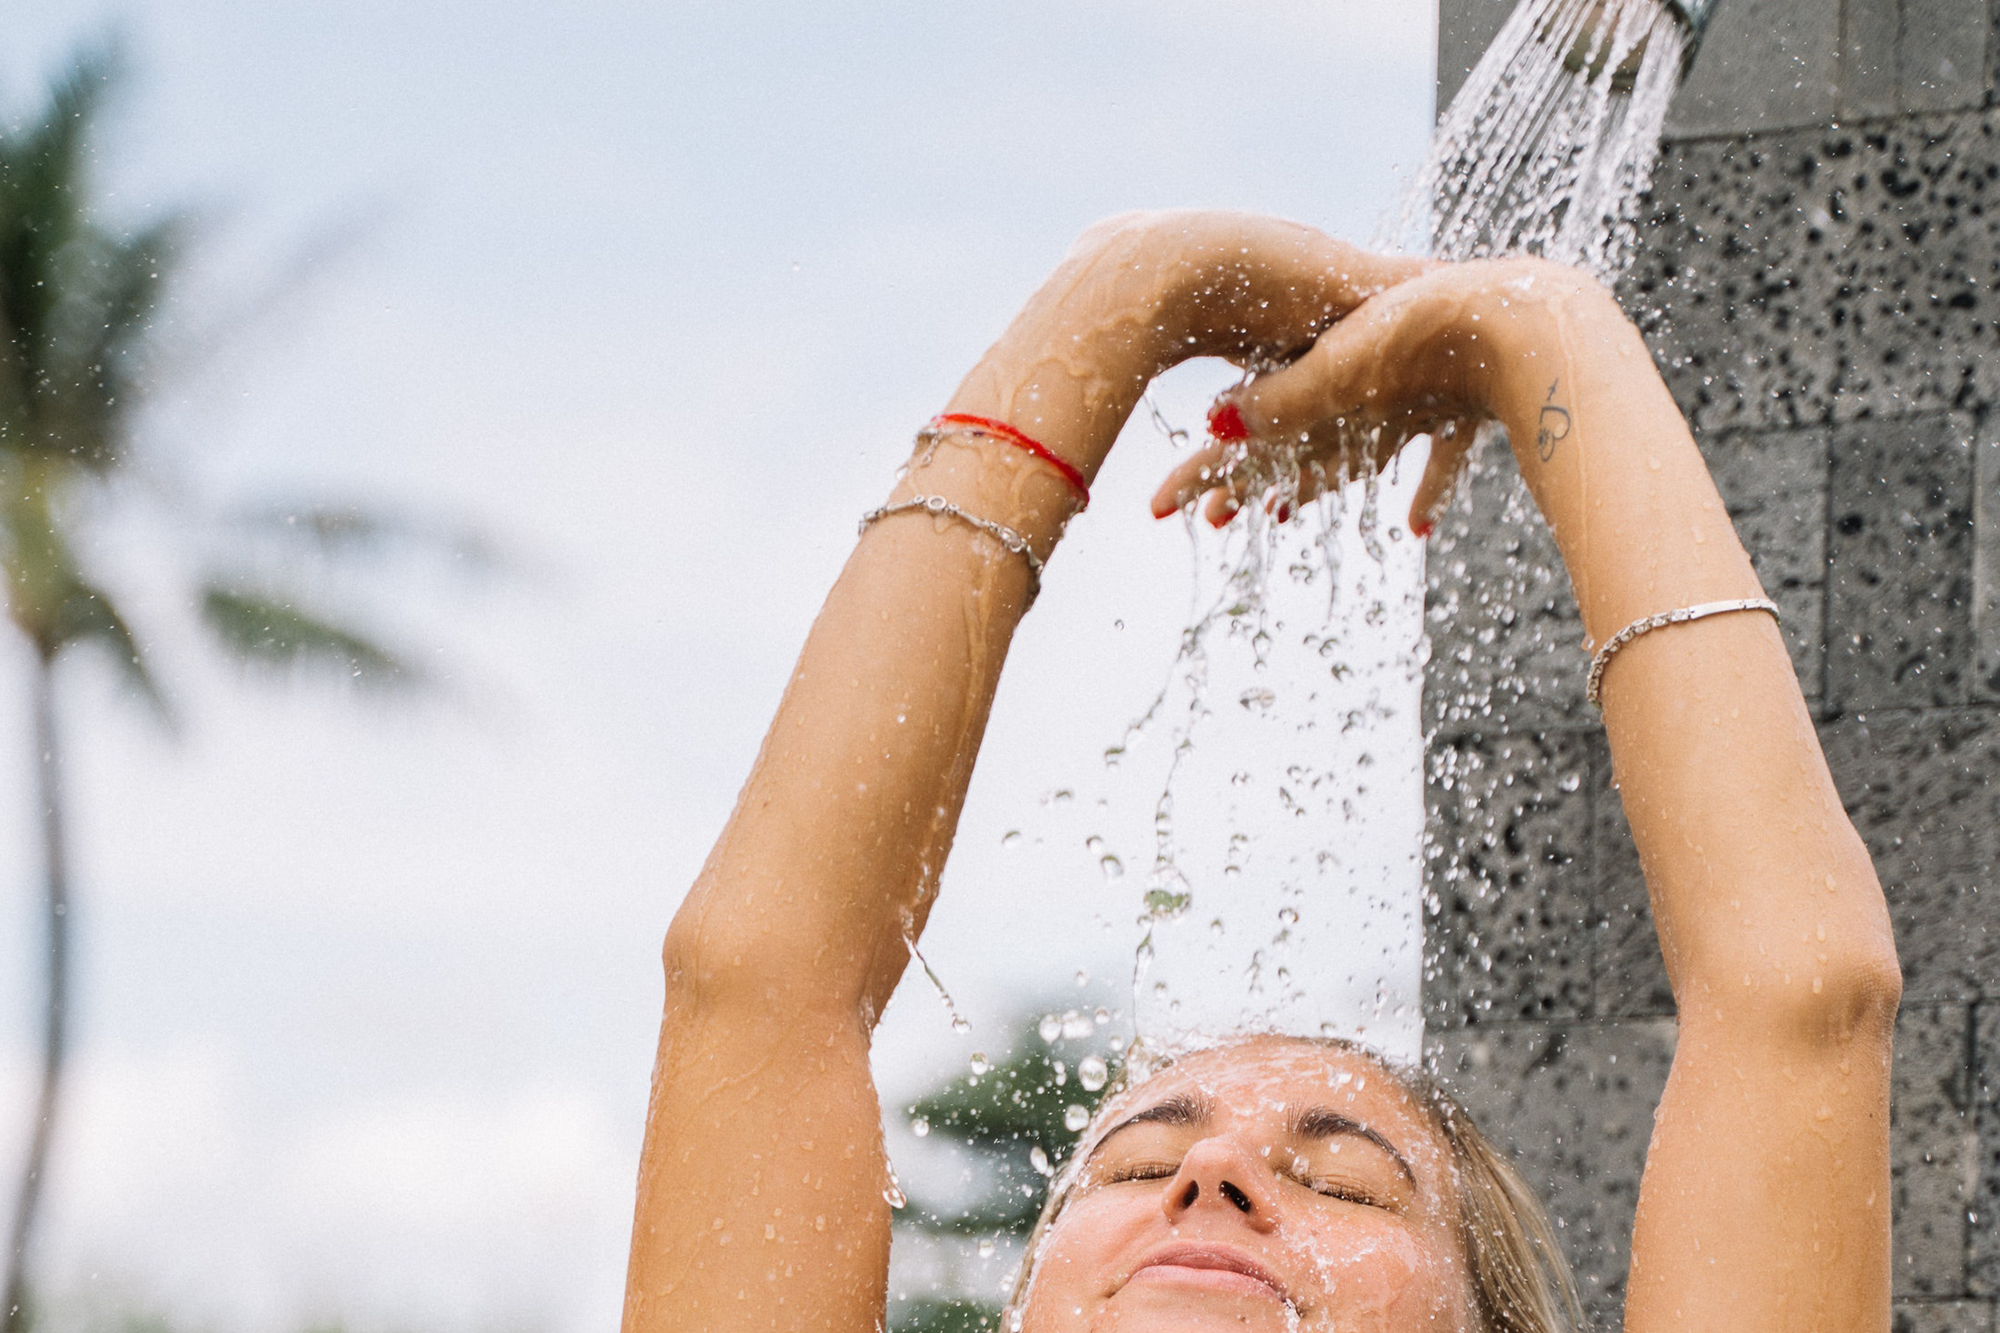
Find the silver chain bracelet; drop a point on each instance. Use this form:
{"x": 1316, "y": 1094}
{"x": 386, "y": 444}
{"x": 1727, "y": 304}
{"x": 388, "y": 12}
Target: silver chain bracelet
{"x": 1593, "y": 687}
{"x": 939, "y": 507}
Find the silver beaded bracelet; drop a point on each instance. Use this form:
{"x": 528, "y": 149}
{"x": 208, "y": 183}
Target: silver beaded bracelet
{"x": 1593, "y": 687}
{"x": 939, "y": 507}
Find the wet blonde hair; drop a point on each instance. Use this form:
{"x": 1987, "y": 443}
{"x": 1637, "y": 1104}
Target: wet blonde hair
{"x": 1519, "y": 1280}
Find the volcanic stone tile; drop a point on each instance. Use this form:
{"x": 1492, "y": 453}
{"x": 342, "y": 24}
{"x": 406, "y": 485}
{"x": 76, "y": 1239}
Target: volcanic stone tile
{"x": 1942, "y": 1317}
{"x": 1986, "y": 567}
{"x": 1573, "y": 1104}
{"x": 1983, "y": 1259}
{"x": 1506, "y": 637}
{"x": 1826, "y": 274}
{"x": 1867, "y": 78}
{"x": 1920, "y": 787}
{"x": 1465, "y": 29}
{"x": 1765, "y": 65}
{"x": 1775, "y": 486}
{"x": 1509, "y": 899}
{"x": 1942, "y": 54}
{"x": 1899, "y": 553}
{"x": 1933, "y": 1148}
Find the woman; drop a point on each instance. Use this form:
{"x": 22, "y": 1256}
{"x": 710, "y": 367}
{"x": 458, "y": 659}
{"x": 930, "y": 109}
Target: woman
{"x": 1279, "y": 1183}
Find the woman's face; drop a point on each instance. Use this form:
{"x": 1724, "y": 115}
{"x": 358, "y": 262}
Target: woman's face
{"x": 1275, "y": 1185}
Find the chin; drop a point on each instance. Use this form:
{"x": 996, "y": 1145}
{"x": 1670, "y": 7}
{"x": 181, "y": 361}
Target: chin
{"x": 1164, "y": 1310}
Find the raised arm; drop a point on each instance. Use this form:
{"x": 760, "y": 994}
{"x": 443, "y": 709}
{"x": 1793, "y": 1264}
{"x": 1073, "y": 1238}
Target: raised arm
{"x": 762, "y": 1181}
{"x": 1765, "y": 1203}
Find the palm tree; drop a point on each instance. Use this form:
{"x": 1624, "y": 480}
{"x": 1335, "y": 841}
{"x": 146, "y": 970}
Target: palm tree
{"x": 78, "y": 299}
{"x": 1020, "y": 1119}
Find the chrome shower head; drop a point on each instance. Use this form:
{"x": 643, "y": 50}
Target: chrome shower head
{"x": 1694, "y": 15}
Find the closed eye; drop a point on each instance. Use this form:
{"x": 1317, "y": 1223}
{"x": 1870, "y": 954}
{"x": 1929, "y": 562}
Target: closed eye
{"x": 1160, "y": 1170}
{"x": 1345, "y": 1190}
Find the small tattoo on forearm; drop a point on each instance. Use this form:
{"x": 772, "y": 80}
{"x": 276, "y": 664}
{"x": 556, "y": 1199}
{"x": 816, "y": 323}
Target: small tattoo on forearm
{"x": 1553, "y": 428}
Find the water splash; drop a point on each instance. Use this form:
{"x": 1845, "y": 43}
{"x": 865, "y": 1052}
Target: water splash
{"x": 1550, "y": 145}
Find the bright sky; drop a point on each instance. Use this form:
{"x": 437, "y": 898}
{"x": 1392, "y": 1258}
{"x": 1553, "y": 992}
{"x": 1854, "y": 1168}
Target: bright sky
{"x": 655, "y": 295}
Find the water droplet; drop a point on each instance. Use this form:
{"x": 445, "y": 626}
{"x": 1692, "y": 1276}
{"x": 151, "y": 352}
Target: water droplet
{"x": 986, "y": 1247}
{"x": 1112, "y": 867}
{"x": 1258, "y": 698}
{"x": 1049, "y": 1028}
{"x": 979, "y": 1062}
{"x": 1092, "y": 1073}
{"x": 1075, "y": 1117}
{"x": 920, "y": 1126}
{"x": 1011, "y": 838}
{"x": 1040, "y": 1161}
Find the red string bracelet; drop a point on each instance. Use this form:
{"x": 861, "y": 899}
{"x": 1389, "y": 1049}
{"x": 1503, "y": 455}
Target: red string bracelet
{"x": 1000, "y": 430}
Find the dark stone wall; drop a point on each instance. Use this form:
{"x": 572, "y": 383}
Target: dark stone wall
{"x": 1820, "y": 284}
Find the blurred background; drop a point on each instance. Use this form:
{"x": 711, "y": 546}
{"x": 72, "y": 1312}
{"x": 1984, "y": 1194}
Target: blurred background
{"x": 514, "y": 384}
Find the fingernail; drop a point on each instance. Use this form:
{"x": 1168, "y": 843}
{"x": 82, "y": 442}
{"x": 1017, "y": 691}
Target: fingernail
{"x": 1423, "y": 527}
{"x": 1221, "y": 520}
{"x": 1284, "y": 512}
{"x": 1225, "y": 422}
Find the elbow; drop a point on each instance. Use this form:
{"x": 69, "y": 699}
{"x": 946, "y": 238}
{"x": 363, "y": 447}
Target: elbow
{"x": 1833, "y": 1002}
{"x": 1861, "y": 994}
{"x": 720, "y": 971}
{"x": 707, "y": 970}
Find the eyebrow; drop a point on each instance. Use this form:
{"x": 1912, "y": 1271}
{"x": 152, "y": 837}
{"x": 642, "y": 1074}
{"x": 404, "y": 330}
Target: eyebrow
{"x": 1181, "y": 1109}
{"x": 1312, "y": 1122}
{"x": 1322, "y": 1122}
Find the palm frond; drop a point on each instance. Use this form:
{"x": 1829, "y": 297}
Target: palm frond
{"x": 271, "y": 630}
{"x": 52, "y": 601}
{"x": 99, "y": 341}
{"x": 42, "y": 201}
{"x": 341, "y": 531}
{"x": 87, "y": 615}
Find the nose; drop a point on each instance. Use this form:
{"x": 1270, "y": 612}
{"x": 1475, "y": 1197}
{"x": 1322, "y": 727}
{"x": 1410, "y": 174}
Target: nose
{"x": 1217, "y": 1173}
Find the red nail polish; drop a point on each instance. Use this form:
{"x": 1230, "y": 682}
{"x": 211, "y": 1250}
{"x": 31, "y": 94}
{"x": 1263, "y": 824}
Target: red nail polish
{"x": 1225, "y": 422}
{"x": 1221, "y": 520}
{"x": 1423, "y": 527}
{"x": 1284, "y": 513}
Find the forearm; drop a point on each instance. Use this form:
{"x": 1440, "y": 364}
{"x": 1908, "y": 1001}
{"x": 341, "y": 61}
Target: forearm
{"x": 1762, "y": 891}
{"x": 830, "y": 862}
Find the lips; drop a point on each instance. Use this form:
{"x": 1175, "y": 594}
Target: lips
{"x": 1218, "y": 1267}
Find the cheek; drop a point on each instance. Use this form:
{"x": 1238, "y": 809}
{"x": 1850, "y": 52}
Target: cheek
{"x": 1081, "y": 1256}
{"x": 1376, "y": 1273}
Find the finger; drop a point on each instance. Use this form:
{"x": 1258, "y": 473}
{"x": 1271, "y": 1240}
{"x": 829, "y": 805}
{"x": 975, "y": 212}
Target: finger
{"x": 1449, "y": 447}
{"x": 1194, "y": 476}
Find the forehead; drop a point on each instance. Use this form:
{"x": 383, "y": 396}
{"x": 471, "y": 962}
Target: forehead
{"x": 1268, "y": 1079}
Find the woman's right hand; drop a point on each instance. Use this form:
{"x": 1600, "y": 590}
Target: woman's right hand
{"x": 1142, "y": 292}
{"x": 1435, "y": 355}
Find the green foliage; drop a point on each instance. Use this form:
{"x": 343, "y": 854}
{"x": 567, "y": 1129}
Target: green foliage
{"x": 946, "y": 1316}
{"x": 268, "y": 629}
{"x": 79, "y": 307}
{"x": 1004, "y": 1115}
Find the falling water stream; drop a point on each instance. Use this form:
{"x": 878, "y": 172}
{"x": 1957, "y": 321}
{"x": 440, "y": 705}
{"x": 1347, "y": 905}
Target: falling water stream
{"x": 1289, "y": 672}
{"x": 1548, "y": 149}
